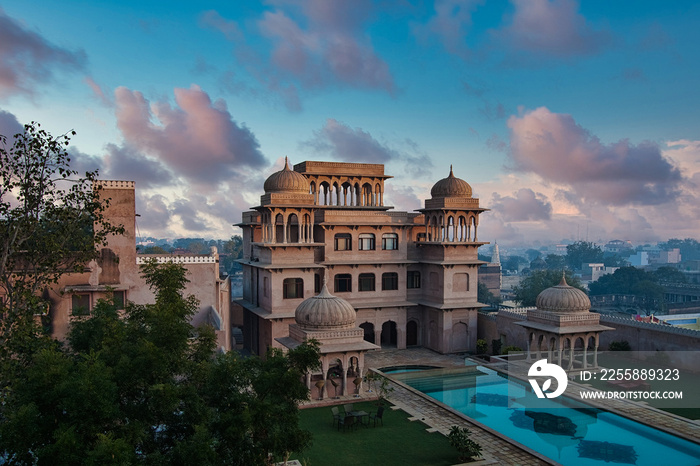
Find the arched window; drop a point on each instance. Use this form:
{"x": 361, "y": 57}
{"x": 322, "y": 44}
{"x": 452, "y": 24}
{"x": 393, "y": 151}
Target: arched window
{"x": 366, "y": 242}
{"x": 365, "y": 282}
{"x": 390, "y": 281}
{"x": 293, "y": 288}
{"x": 390, "y": 241}
{"x": 343, "y": 242}
{"x": 343, "y": 283}
{"x": 413, "y": 279}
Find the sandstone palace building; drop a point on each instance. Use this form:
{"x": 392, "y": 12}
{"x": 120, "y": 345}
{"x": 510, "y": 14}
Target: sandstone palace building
{"x": 410, "y": 276}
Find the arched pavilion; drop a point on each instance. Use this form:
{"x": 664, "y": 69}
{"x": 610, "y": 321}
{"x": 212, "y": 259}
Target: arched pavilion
{"x": 563, "y": 322}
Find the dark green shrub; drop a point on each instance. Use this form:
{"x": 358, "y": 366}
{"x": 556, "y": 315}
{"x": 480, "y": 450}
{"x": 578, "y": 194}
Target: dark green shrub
{"x": 622, "y": 345}
{"x": 467, "y": 448}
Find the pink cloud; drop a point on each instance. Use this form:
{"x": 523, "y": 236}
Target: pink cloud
{"x": 27, "y": 59}
{"x": 348, "y": 144}
{"x": 330, "y": 48}
{"x": 197, "y": 138}
{"x": 557, "y": 149}
{"x": 524, "y": 205}
{"x": 450, "y": 23}
{"x": 551, "y": 28}
{"x": 98, "y": 92}
{"x": 312, "y": 45}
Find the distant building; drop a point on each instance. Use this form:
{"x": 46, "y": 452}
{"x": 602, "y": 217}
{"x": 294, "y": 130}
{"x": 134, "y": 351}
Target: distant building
{"x": 490, "y": 274}
{"x": 640, "y": 259}
{"x": 617, "y": 246}
{"x": 117, "y": 272}
{"x": 411, "y": 277}
{"x": 593, "y": 271}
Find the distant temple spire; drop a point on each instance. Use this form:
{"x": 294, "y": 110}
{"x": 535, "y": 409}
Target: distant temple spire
{"x": 495, "y": 256}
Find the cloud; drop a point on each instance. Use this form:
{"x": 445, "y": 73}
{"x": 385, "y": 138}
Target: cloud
{"x": 126, "y": 163}
{"x": 403, "y": 198}
{"x": 524, "y": 205}
{"x": 450, "y": 24}
{"x": 153, "y": 213}
{"x": 311, "y": 45}
{"x": 98, "y": 92}
{"x": 551, "y": 28}
{"x": 197, "y": 139}
{"x": 214, "y": 20}
{"x": 9, "y": 126}
{"x": 348, "y": 144}
{"x": 557, "y": 149}
{"x": 27, "y": 59}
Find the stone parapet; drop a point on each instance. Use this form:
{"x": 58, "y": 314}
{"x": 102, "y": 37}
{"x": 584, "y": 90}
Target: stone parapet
{"x": 161, "y": 259}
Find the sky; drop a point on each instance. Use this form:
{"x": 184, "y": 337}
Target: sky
{"x": 570, "y": 120}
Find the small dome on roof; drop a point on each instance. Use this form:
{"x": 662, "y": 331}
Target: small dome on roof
{"x": 325, "y": 312}
{"x": 287, "y": 181}
{"x": 563, "y": 298}
{"x": 451, "y": 187}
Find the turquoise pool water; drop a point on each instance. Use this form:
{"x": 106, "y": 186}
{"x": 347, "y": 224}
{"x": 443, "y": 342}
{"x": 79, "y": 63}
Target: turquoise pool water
{"x": 577, "y": 435}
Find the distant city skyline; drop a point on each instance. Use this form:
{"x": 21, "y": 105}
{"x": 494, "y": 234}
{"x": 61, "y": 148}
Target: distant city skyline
{"x": 570, "y": 120}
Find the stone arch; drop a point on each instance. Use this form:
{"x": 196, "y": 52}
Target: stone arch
{"x": 278, "y": 225}
{"x": 412, "y": 333}
{"x": 389, "y": 337}
{"x": 368, "y": 328}
{"x": 367, "y": 194}
{"x": 324, "y": 193}
{"x": 293, "y": 228}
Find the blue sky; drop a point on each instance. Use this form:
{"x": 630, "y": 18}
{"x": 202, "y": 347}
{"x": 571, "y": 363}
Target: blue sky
{"x": 570, "y": 120}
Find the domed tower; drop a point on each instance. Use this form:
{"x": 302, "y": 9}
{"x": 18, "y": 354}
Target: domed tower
{"x": 286, "y": 208}
{"x": 562, "y": 327}
{"x": 330, "y": 320}
{"x": 448, "y": 248}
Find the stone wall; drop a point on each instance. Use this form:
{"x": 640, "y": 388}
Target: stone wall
{"x": 641, "y": 336}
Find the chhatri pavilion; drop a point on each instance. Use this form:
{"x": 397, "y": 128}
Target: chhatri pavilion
{"x": 561, "y": 324}
{"x": 330, "y": 320}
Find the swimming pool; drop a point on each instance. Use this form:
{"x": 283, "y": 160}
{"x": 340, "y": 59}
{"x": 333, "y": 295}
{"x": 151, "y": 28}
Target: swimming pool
{"x": 579, "y": 435}
{"x": 406, "y": 368}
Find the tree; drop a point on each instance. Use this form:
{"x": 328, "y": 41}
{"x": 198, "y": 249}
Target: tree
{"x": 146, "y": 387}
{"x": 51, "y": 222}
{"x": 555, "y": 262}
{"x": 485, "y": 296}
{"x": 583, "y": 252}
{"x": 532, "y": 254}
{"x": 690, "y": 248}
{"x": 514, "y": 262}
{"x": 527, "y": 290}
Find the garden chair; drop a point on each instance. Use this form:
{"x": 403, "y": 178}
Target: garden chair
{"x": 348, "y": 408}
{"x": 336, "y": 415}
{"x": 378, "y": 416}
{"x": 347, "y": 422}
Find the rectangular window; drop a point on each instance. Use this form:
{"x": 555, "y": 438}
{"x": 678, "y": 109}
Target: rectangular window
{"x": 119, "y": 299}
{"x": 390, "y": 241}
{"x": 317, "y": 283}
{"x": 343, "y": 283}
{"x": 390, "y": 281}
{"x": 292, "y": 288}
{"x": 366, "y": 282}
{"x": 343, "y": 242}
{"x": 412, "y": 279}
{"x": 81, "y": 305}
{"x": 366, "y": 242}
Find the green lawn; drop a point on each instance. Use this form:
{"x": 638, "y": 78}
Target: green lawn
{"x": 399, "y": 441}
